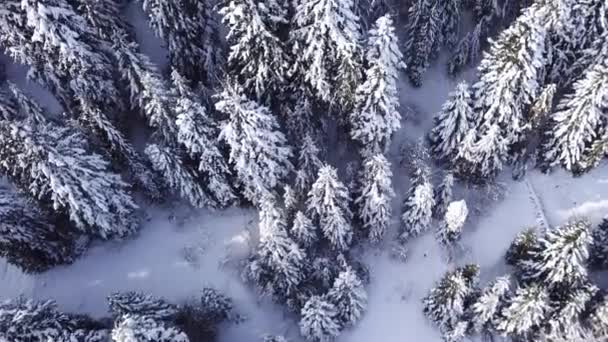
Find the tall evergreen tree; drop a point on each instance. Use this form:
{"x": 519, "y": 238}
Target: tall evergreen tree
{"x": 443, "y": 195}
{"x": 598, "y": 251}
{"x": 303, "y": 230}
{"x": 137, "y": 303}
{"x": 452, "y": 123}
{"x": 325, "y": 39}
{"x": 486, "y": 308}
{"x": 375, "y": 117}
{"x": 191, "y": 33}
{"x": 450, "y": 229}
{"x": 418, "y": 205}
{"x": 28, "y": 238}
{"x": 328, "y": 204}
{"x": 308, "y": 164}
{"x": 136, "y": 328}
{"x": 349, "y": 297}
{"x": 525, "y": 312}
{"x": 564, "y": 322}
{"x": 319, "y": 322}
{"x": 258, "y": 59}
{"x": 258, "y": 149}
{"x": 375, "y": 196}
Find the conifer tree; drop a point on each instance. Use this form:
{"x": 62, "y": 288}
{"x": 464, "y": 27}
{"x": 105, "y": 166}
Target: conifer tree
{"x": 523, "y": 252}
{"x": 197, "y": 133}
{"x": 136, "y": 328}
{"x": 418, "y": 205}
{"x": 272, "y": 218}
{"x": 486, "y": 308}
{"x": 178, "y": 175}
{"x": 258, "y": 149}
{"x": 25, "y": 320}
{"x": 375, "y": 117}
{"x": 190, "y": 31}
{"x": 308, "y": 164}
{"x": 563, "y": 254}
{"x": 319, "y": 322}
{"x": 598, "y": 319}
{"x": 525, "y": 312}
{"x": 328, "y": 205}
{"x": 104, "y": 16}
{"x": 58, "y": 170}
{"x": 258, "y": 59}
{"x": 28, "y": 238}
{"x": 325, "y": 38}
{"x": 443, "y": 195}
{"x": 349, "y": 297}
{"x": 290, "y": 202}
{"x": 452, "y": 124}
{"x": 445, "y": 304}
{"x": 424, "y": 32}
{"x": 376, "y": 194}
{"x": 564, "y": 323}
{"x": 303, "y": 230}
{"x": 451, "y": 227}
{"x": 137, "y": 303}
{"x": 598, "y": 250}
{"x": 579, "y": 121}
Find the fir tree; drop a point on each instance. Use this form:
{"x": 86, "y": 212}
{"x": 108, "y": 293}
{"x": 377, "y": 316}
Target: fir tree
{"x": 274, "y": 338}
{"x": 424, "y": 32}
{"x": 215, "y": 305}
{"x": 418, "y": 206}
{"x": 598, "y": 251}
{"x": 376, "y": 117}
{"x": 25, "y": 320}
{"x": 319, "y": 322}
{"x": 328, "y": 204}
{"x": 57, "y": 169}
{"x": 197, "y": 133}
{"x": 140, "y": 304}
{"x": 486, "y": 308}
{"x": 579, "y": 121}
{"x": 303, "y": 230}
{"x": 443, "y": 195}
{"x": 179, "y": 176}
{"x": 325, "y": 36}
{"x": 349, "y": 297}
{"x": 376, "y": 194}
{"x": 525, "y": 312}
{"x": 452, "y": 124}
{"x": 258, "y": 59}
{"x": 563, "y": 254}
{"x": 28, "y": 237}
{"x": 564, "y": 323}
{"x": 445, "y": 304}
{"x": 190, "y": 31}
{"x": 598, "y": 319}
{"x": 272, "y": 218}
{"x": 136, "y": 328}
{"x": 290, "y": 202}
{"x": 324, "y": 272}
{"x": 308, "y": 164}
{"x": 451, "y": 227}
{"x": 523, "y": 252}
{"x": 258, "y": 149}
{"x": 103, "y": 16}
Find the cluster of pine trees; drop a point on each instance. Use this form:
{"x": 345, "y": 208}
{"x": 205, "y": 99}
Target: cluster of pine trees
{"x": 550, "y": 296}
{"x": 540, "y": 94}
{"x": 135, "y": 317}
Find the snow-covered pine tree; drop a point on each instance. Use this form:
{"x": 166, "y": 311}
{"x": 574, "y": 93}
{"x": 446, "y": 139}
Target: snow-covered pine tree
{"x": 598, "y": 319}
{"x": 443, "y": 195}
{"x": 325, "y": 38}
{"x": 424, "y": 35}
{"x": 579, "y": 121}
{"x": 28, "y": 238}
{"x": 178, "y": 176}
{"x": 525, "y": 313}
{"x": 140, "y": 304}
{"x": 291, "y": 203}
{"x": 319, "y": 322}
{"x": 485, "y": 309}
{"x": 136, "y": 328}
{"x": 452, "y": 124}
{"x": 564, "y": 322}
{"x": 523, "y": 252}
{"x": 308, "y": 164}
{"x": 278, "y": 265}
{"x": 349, "y": 297}
{"x": 56, "y": 168}
{"x": 562, "y": 259}
{"x": 450, "y": 229}
{"x": 328, "y": 205}
{"x": 258, "y": 60}
{"x": 598, "y": 250}
{"x": 451, "y": 18}
{"x": 216, "y": 307}
{"x": 445, "y": 303}
{"x": 258, "y": 149}
{"x": 190, "y": 30}
{"x": 104, "y": 17}
{"x": 375, "y": 196}
{"x": 303, "y": 230}
{"x": 197, "y": 133}
{"x": 26, "y": 320}
{"x": 375, "y": 117}
{"x": 509, "y": 80}
{"x": 272, "y": 218}
{"x": 418, "y": 205}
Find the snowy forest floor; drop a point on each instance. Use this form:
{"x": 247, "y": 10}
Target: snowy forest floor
{"x": 179, "y": 251}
